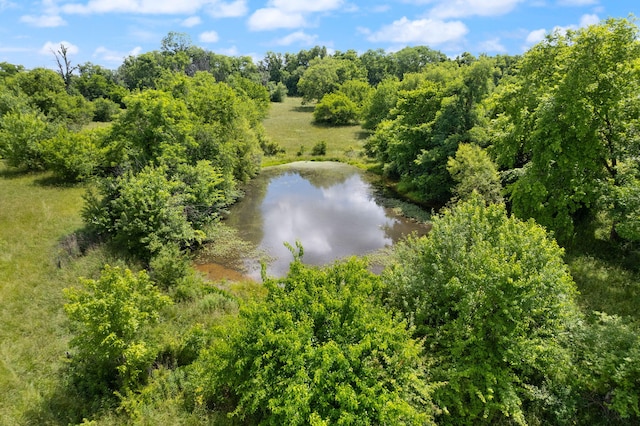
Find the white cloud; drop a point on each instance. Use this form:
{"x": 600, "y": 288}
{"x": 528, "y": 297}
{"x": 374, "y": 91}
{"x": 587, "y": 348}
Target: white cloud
{"x": 587, "y": 20}
{"x": 539, "y": 35}
{"x": 271, "y": 18}
{"x": 492, "y": 45}
{"x": 299, "y": 37}
{"x": 461, "y": 8}
{"x": 6, "y": 4}
{"x": 425, "y": 31}
{"x": 229, "y": 10}
{"x": 135, "y": 51}
{"x": 209, "y": 37}
{"x": 306, "y": 6}
{"x": 228, "y": 51}
{"x": 191, "y": 21}
{"x": 44, "y": 21}
{"x": 108, "y": 55}
{"x": 536, "y": 36}
{"x": 50, "y": 47}
{"x": 216, "y": 8}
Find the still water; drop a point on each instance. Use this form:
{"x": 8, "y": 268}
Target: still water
{"x": 330, "y": 208}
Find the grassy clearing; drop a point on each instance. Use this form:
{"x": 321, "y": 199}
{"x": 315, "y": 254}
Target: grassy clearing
{"x": 290, "y": 125}
{"x": 34, "y": 218}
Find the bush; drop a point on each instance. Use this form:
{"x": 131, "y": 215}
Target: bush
{"x": 277, "y": 92}
{"x": 111, "y": 351}
{"x": 336, "y": 108}
{"x": 74, "y": 156}
{"x": 319, "y": 149}
{"x": 141, "y": 213}
{"x": 474, "y": 172}
{"x": 21, "y": 136}
{"x": 104, "y": 109}
{"x": 318, "y": 350}
{"x": 493, "y": 299}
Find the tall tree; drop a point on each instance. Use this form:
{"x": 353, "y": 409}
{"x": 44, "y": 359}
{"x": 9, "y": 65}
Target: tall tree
{"x": 65, "y": 69}
{"x": 569, "y": 120}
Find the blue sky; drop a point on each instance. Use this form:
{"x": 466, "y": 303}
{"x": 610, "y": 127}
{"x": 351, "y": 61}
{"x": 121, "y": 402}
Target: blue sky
{"x": 106, "y": 31}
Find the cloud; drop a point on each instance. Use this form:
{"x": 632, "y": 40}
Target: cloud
{"x": 536, "y": 36}
{"x": 228, "y": 51}
{"x": 539, "y": 35}
{"x": 6, "y": 4}
{"x": 50, "y": 46}
{"x": 209, "y": 37}
{"x": 215, "y": 8}
{"x": 306, "y": 6}
{"x": 493, "y": 45}
{"x": 445, "y": 9}
{"x": 424, "y": 31}
{"x": 299, "y": 37}
{"x": 44, "y": 21}
{"x": 108, "y": 55}
{"x": 271, "y": 18}
{"x": 234, "y": 9}
{"x": 587, "y": 20}
{"x": 192, "y": 21}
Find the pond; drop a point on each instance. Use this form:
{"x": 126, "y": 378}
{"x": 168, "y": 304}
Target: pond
{"x": 331, "y": 208}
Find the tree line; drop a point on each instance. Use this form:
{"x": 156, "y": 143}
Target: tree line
{"x": 475, "y": 323}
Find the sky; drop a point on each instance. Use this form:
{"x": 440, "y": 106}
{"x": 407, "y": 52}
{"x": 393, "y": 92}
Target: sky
{"x": 105, "y": 32}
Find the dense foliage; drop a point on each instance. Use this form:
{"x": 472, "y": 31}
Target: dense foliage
{"x": 318, "y": 350}
{"x": 568, "y": 122}
{"x": 492, "y": 298}
{"x": 111, "y": 351}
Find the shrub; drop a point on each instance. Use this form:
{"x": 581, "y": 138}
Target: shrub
{"x": 277, "y": 92}
{"x": 104, "y": 109}
{"x": 74, "y": 156}
{"x": 336, "y": 108}
{"x": 318, "y": 350}
{"x": 492, "y": 298}
{"x": 474, "y": 172}
{"x": 111, "y": 349}
{"x": 319, "y": 149}
{"x": 21, "y": 135}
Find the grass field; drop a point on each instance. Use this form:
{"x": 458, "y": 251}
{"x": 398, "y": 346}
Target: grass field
{"x": 34, "y": 217}
{"x": 290, "y": 125}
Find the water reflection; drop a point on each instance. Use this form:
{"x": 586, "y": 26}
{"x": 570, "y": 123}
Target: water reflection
{"x": 329, "y": 207}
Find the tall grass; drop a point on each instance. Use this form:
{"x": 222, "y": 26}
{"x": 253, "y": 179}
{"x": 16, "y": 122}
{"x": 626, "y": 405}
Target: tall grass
{"x": 35, "y": 216}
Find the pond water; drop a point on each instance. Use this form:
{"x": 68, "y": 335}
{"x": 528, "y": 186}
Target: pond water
{"x": 331, "y": 208}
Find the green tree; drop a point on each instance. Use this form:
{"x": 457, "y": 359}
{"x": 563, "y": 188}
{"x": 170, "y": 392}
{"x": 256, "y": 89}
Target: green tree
{"x": 428, "y": 123}
{"x": 325, "y": 76}
{"x": 318, "y": 350}
{"x": 380, "y": 103}
{"x": 21, "y": 136}
{"x": 474, "y": 172}
{"x": 141, "y": 71}
{"x": 415, "y": 59}
{"x": 155, "y": 129}
{"x": 111, "y": 346}
{"x": 74, "y": 156}
{"x": 568, "y": 120}
{"x": 142, "y": 212}
{"x": 337, "y": 109}
{"x": 493, "y": 299}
